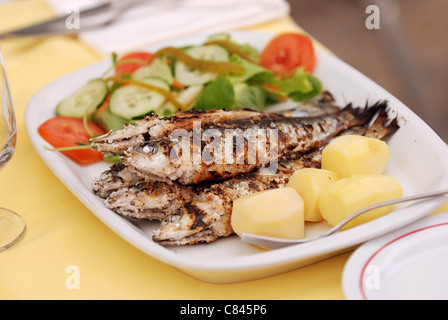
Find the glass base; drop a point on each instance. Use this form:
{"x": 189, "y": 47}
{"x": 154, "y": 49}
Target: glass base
{"x": 12, "y": 229}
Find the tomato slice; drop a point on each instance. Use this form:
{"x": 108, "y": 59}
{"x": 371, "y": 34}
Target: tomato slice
{"x": 288, "y": 51}
{"x": 129, "y": 68}
{"x": 63, "y": 132}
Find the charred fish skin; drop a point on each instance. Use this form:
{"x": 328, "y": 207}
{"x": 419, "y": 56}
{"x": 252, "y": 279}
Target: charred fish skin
{"x": 293, "y": 137}
{"x": 207, "y": 217}
{"x": 149, "y": 200}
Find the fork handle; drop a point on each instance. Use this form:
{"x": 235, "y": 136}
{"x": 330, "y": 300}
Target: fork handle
{"x": 384, "y": 204}
{"x": 275, "y": 243}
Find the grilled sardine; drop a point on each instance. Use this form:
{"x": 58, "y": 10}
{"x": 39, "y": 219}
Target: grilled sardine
{"x": 153, "y": 128}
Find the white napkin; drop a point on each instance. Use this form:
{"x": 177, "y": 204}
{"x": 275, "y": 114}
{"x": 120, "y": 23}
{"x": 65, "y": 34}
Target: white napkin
{"x": 152, "y": 21}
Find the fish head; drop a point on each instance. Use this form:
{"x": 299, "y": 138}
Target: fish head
{"x": 155, "y": 160}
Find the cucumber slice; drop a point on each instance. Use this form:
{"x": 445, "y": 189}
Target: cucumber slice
{"x": 111, "y": 121}
{"x": 189, "y": 76}
{"x": 185, "y": 97}
{"x": 157, "y": 68}
{"x": 85, "y": 100}
{"x": 166, "y": 110}
{"x": 133, "y": 101}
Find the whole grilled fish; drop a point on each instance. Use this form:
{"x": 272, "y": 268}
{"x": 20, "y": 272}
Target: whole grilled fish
{"x": 152, "y": 127}
{"x": 225, "y": 150}
{"x": 207, "y": 217}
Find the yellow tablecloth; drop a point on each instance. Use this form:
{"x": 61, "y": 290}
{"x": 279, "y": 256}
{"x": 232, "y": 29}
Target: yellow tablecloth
{"x": 62, "y": 232}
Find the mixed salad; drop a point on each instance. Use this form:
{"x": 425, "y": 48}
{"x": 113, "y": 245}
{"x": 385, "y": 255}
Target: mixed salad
{"x": 218, "y": 74}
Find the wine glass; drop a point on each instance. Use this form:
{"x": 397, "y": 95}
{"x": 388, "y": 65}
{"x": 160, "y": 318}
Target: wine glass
{"x": 12, "y": 227}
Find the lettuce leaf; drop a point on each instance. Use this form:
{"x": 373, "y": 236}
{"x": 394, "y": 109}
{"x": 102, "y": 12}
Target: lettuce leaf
{"x": 250, "y": 69}
{"x": 251, "y": 97}
{"x": 301, "y": 87}
{"x": 218, "y": 94}
{"x": 298, "y": 83}
{"x": 302, "y": 96}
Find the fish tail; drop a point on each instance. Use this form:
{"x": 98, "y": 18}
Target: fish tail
{"x": 382, "y": 125}
{"x": 366, "y": 114}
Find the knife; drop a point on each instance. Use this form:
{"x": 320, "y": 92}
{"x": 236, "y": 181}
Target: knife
{"x": 94, "y": 17}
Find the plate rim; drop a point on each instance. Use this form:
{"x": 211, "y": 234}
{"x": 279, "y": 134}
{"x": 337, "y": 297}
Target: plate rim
{"x": 352, "y": 285}
{"x": 287, "y": 255}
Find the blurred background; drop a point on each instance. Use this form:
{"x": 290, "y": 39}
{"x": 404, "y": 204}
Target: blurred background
{"x": 408, "y": 55}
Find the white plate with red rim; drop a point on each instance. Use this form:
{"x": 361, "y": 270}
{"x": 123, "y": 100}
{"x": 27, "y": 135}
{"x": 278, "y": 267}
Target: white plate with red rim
{"x": 418, "y": 161}
{"x": 407, "y": 264}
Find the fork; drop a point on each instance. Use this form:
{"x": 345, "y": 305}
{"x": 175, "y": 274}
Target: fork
{"x": 275, "y": 243}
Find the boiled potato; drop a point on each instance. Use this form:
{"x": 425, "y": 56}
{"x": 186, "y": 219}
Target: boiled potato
{"x": 348, "y": 195}
{"x": 274, "y": 213}
{"x": 353, "y": 154}
{"x": 309, "y": 183}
